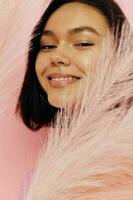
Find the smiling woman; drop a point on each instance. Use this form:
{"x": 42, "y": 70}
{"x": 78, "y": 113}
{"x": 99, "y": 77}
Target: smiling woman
{"x": 67, "y": 53}
{"x": 64, "y": 48}
{"x": 81, "y": 53}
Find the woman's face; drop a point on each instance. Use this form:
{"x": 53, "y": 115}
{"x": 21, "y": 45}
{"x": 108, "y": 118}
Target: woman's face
{"x": 70, "y": 44}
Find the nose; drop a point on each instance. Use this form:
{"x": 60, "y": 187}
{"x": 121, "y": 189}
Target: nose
{"x": 60, "y": 57}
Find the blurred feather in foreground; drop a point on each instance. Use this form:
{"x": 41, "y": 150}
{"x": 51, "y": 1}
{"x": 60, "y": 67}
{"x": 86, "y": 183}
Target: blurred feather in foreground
{"x": 89, "y": 154}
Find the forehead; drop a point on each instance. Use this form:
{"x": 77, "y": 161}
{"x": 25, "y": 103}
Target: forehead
{"x": 76, "y": 14}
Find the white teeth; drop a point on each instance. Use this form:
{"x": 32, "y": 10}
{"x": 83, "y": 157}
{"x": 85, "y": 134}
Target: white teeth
{"x": 62, "y": 78}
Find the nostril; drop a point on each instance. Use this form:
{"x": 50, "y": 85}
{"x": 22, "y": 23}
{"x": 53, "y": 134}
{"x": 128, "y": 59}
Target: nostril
{"x": 60, "y": 62}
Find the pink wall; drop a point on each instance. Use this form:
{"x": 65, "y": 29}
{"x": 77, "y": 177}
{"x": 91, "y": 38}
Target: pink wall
{"x": 19, "y": 146}
{"x": 127, "y": 6}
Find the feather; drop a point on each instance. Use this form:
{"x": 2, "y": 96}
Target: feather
{"x": 15, "y": 33}
{"x": 89, "y": 153}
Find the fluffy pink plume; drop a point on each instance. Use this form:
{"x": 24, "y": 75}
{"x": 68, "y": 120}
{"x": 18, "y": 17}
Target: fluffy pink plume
{"x": 90, "y": 155}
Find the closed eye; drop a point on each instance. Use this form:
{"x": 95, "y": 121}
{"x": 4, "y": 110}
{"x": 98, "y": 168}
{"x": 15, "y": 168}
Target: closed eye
{"x": 48, "y": 47}
{"x": 84, "y": 44}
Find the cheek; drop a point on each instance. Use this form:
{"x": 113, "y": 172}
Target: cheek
{"x": 87, "y": 60}
{"x": 41, "y": 64}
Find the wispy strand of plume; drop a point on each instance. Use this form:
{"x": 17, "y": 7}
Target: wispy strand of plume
{"x": 89, "y": 154}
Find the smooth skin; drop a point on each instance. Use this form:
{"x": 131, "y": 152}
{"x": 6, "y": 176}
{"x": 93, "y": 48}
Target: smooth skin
{"x": 70, "y": 44}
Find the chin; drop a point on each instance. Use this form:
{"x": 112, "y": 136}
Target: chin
{"x": 60, "y": 102}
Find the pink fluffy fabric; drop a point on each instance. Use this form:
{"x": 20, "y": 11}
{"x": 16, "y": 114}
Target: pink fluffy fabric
{"x": 89, "y": 156}
{"x": 93, "y": 159}
{"x": 24, "y": 186}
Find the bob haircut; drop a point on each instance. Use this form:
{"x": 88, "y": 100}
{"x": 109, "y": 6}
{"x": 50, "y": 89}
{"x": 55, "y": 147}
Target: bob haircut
{"x": 32, "y": 105}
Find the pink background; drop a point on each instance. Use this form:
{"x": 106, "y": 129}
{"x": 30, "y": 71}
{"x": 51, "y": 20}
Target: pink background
{"x": 19, "y": 146}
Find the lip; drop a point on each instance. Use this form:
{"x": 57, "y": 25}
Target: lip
{"x": 61, "y": 75}
{"x": 62, "y": 83}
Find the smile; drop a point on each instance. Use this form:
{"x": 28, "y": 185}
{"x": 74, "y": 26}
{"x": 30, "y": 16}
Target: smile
{"x": 58, "y": 80}
{"x": 62, "y": 81}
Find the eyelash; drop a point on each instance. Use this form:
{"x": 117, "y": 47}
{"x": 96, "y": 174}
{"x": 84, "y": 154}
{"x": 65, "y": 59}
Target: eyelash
{"x": 84, "y": 44}
{"x": 48, "y": 47}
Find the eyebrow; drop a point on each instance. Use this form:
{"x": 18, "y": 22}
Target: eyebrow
{"x": 84, "y": 28}
{"x": 74, "y": 31}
